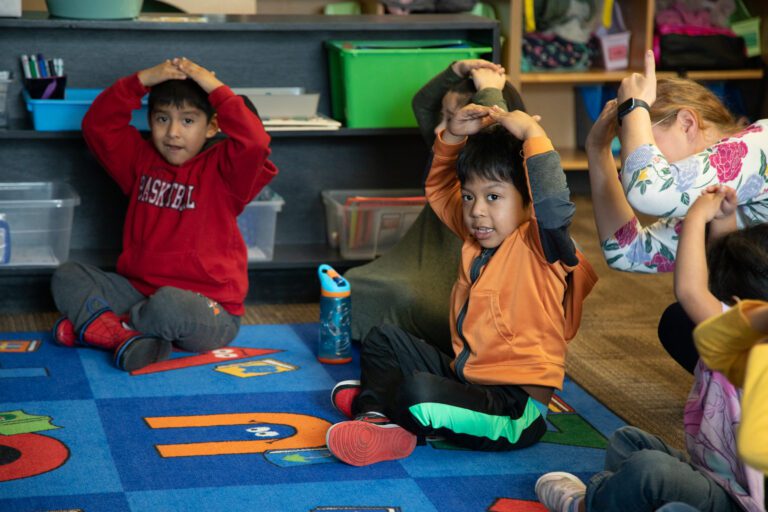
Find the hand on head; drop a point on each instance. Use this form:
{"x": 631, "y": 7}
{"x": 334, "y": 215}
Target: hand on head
{"x": 606, "y": 127}
{"x": 205, "y": 78}
{"x": 473, "y": 118}
{"x": 463, "y": 68}
{"x": 640, "y": 86}
{"x": 468, "y": 120}
{"x": 487, "y": 77}
{"x": 518, "y": 123}
{"x": 166, "y": 70}
{"x": 179, "y": 68}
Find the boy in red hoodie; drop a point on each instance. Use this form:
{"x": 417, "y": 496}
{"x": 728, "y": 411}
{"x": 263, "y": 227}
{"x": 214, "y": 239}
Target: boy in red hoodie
{"x": 182, "y": 275}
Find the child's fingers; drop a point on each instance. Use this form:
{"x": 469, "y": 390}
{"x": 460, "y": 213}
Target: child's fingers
{"x": 712, "y": 188}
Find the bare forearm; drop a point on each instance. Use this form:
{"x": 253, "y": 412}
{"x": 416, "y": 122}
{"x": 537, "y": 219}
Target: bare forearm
{"x": 611, "y": 208}
{"x": 691, "y": 273}
{"x": 635, "y": 131}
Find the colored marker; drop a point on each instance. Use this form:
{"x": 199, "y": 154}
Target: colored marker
{"x": 41, "y": 66}
{"x": 25, "y": 66}
{"x": 32, "y": 67}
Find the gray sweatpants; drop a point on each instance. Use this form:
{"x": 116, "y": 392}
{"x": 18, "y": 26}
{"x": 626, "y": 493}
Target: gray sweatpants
{"x": 190, "y": 320}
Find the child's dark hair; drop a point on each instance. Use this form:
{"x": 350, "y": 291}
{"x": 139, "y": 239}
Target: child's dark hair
{"x": 494, "y": 154}
{"x": 738, "y": 265}
{"x": 179, "y": 92}
{"x": 466, "y": 89}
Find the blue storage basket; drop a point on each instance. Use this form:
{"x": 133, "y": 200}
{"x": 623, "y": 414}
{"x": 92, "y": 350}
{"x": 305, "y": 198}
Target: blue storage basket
{"x": 67, "y": 114}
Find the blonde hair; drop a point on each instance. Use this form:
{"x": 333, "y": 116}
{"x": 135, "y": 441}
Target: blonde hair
{"x": 673, "y": 94}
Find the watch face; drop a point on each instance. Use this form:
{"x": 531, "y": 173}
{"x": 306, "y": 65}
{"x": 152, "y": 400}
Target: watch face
{"x": 627, "y": 106}
{"x": 630, "y": 105}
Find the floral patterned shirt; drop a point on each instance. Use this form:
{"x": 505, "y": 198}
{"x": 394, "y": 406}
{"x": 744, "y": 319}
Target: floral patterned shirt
{"x": 657, "y": 187}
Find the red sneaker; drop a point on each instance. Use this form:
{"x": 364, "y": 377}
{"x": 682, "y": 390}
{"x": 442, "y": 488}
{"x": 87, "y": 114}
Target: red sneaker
{"x": 343, "y": 394}
{"x": 64, "y": 332}
{"x": 369, "y": 439}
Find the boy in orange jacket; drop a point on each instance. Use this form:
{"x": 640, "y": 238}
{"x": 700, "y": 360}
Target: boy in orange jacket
{"x": 516, "y": 302}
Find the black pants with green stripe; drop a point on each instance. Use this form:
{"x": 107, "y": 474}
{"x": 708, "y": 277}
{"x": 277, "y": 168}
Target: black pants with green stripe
{"x": 412, "y": 383}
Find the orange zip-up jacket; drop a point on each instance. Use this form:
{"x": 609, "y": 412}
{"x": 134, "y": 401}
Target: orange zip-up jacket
{"x": 522, "y": 309}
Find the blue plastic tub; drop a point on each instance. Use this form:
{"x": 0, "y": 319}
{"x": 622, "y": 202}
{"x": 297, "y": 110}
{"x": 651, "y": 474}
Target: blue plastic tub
{"x": 67, "y": 114}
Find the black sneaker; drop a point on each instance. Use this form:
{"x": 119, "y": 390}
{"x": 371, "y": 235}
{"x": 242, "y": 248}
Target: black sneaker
{"x": 140, "y": 351}
{"x": 343, "y": 394}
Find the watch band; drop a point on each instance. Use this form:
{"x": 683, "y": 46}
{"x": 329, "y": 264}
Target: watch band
{"x": 630, "y": 105}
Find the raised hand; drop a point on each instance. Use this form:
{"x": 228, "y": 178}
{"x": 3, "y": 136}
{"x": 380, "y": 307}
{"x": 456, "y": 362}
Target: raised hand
{"x": 640, "y": 86}
{"x": 605, "y": 128}
{"x": 729, "y": 203}
{"x": 204, "y": 78}
{"x": 166, "y": 70}
{"x": 709, "y": 204}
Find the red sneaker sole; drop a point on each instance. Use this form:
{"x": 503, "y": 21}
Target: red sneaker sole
{"x": 359, "y": 443}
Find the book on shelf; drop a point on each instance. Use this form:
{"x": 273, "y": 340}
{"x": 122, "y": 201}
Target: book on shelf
{"x": 299, "y": 123}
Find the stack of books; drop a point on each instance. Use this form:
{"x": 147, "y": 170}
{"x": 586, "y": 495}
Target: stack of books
{"x": 288, "y": 109}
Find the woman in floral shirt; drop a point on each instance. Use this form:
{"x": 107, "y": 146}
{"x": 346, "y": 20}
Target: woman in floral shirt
{"x": 687, "y": 142}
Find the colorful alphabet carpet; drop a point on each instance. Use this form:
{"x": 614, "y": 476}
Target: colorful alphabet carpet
{"x": 241, "y": 428}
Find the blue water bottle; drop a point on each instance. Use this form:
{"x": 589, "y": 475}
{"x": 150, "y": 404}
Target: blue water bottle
{"x": 335, "y": 344}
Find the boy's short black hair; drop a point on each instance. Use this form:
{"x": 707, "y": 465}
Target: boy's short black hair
{"x": 738, "y": 265}
{"x": 494, "y": 154}
{"x": 179, "y": 92}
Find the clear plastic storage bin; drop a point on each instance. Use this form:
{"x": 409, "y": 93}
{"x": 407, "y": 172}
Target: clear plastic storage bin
{"x": 257, "y": 224}
{"x": 5, "y": 83}
{"x": 36, "y": 223}
{"x": 364, "y": 224}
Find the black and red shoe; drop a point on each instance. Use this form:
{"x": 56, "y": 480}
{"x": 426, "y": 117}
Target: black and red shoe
{"x": 64, "y": 333}
{"x": 343, "y": 394}
{"x": 140, "y": 351}
{"x": 368, "y": 439}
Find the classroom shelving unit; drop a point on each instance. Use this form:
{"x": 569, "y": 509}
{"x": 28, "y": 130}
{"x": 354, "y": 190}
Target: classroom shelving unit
{"x": 254, "y": 51}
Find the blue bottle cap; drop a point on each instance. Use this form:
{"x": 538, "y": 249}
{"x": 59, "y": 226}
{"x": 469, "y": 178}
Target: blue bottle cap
{"x": 331, "y": 282}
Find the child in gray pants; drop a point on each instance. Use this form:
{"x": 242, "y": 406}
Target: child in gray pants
{"x": 182, "y": 276}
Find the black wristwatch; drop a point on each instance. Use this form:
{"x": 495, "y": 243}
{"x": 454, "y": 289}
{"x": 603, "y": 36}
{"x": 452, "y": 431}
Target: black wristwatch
{"x": 630, "y": 105}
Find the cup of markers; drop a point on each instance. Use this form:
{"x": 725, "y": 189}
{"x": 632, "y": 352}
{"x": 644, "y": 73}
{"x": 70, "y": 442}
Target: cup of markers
{"x": 43, "y": 78}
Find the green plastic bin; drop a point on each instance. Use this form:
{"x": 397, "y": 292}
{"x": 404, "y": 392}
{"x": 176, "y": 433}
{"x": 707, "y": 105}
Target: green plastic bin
{"x": 94, "y": 9}
{"x": 373, "y": 82}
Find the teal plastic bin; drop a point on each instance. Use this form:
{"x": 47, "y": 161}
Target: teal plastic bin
{"x": 67, "y": 114}
{"x": 373, "y": 82}
{"x": 94, "y": 9}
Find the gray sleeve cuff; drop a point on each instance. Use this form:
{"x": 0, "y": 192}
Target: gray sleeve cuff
{"x": 489, "y": 97}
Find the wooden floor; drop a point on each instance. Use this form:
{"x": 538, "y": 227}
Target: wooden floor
{"x": 616, "y": 355}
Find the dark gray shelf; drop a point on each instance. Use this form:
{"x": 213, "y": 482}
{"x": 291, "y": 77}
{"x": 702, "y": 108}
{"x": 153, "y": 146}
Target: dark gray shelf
{"x": 250, "y": 23}
{"x": 285, "y": 257}
{"x": 244, "y": 51}
{"x": 25, "y": 132}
